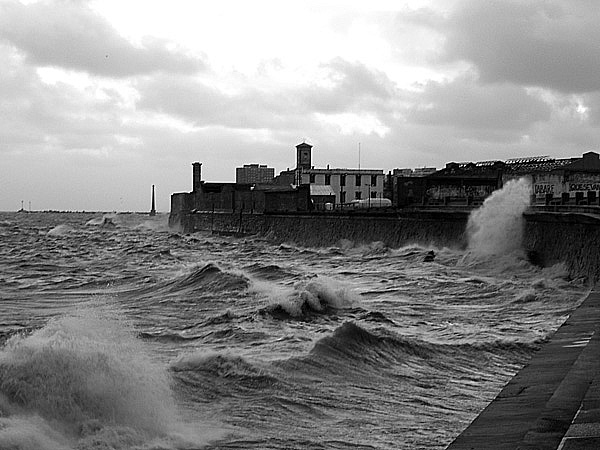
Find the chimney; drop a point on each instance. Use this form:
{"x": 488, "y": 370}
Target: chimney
{"x": 197, "y": 175}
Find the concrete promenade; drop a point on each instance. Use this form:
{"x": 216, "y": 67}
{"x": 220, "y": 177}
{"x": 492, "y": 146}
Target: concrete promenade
{"x": 554, "y": 401}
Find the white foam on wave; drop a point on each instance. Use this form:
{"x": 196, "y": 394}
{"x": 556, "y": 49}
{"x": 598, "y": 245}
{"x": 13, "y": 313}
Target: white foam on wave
{"x": 100, "y": 220}
{"x": 86, "y": 381}
{"x": 317, "y": 295}
{"x": 143, "y": 222}
{"x": 30, "y": 433}
{"x": 60, "y": 230}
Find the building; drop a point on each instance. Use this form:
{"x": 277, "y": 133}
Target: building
{"x": 239, "y": 197}
{"x": 254, "y": 174}
{"x": 423, "y": 171}
{"x": 462, "y": 183}
{"x": 347, "y": 184}
{"x": 418, "y": 172}
{"x": 571, "y": 181}
{"x": 321, "y": 196}
{"x": 554, "y": 181}
{"x": 344, "y": 184}
{"x": 559, "y": 181}
{"x": 400, "y": 187}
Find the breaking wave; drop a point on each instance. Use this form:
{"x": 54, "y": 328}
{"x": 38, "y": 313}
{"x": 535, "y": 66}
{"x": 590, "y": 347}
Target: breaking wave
{"x": 83, "y": 381}
{"x": 208, "y": 278}
{"x": 315, "y": 297}
{"x": 60, "y": 230}
{"x": 352, "y": 348}
{"x": 210, "y": 372}
{"x": 270, "y": 272}
{"x": 352, "y": 342}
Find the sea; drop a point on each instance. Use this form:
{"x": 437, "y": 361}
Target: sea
{"x": 118, "y": 332}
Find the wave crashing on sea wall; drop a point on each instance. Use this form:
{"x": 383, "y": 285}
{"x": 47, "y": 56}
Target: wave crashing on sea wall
{"x": 496, "y": 228}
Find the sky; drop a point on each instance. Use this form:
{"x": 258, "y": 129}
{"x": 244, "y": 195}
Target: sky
{"x": 102, "y": 99}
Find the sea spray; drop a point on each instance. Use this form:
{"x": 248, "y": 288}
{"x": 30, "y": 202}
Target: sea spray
{"x": 84, "y": 370}
{"x": 496, "y": 228}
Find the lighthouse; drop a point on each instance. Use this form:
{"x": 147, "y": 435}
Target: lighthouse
{"x": 153, "y": 210}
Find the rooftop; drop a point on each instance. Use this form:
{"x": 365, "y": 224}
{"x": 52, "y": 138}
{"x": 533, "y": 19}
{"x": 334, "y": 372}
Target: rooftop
{"x": 316, "y": 189}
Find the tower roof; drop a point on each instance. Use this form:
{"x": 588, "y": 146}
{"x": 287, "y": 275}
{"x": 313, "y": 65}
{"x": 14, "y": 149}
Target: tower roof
{"x": 303, "y": 145}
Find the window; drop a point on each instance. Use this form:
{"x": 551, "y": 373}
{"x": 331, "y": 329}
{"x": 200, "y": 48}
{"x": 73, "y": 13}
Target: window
{"x": 373, "y": 180}
{"x": 358, "y": 194}
{"x": 311, "y": 178}
{"x": 342, "y": 180}
{"x": 373, "y": 194}
{"x": 327, "y": 179}
{"x": 357, "y": 183}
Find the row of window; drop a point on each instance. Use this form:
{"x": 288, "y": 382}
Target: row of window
{"x": 357, "y": 196}
{"x": 357, "y": 180}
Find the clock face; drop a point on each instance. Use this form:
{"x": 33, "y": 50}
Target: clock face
{"x": 304, "y": 157}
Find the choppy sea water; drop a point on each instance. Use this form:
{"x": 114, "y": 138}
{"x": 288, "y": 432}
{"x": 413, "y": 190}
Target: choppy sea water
{"x": 139, "y": 337}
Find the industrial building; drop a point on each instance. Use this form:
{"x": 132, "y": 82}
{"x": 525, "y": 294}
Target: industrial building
{"x": 570, "y": 181}
{"x": 242, "y": 197}
{"x": 304, "y": 188}
{"x": 417, "y": 172}
{"x": 559, "y": 181}
{"x": 554, "y": 181}
{"x": 254, "y": 174}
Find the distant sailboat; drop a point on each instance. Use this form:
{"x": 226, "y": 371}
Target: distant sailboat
{"x": 153, "y": 210}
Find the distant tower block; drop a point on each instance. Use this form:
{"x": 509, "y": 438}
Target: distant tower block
{"x": 197, "y": 176}
{"x": 303, "y": 156}
{"x": 153, "y": 210}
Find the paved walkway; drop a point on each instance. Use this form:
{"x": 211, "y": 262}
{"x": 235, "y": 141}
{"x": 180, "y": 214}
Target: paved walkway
{"x": 554, "y": 401}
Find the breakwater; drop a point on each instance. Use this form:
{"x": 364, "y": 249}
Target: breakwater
{"x": 549, "y": 237}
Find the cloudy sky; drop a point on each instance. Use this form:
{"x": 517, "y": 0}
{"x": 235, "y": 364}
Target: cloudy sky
{"x": 101, "y": 99}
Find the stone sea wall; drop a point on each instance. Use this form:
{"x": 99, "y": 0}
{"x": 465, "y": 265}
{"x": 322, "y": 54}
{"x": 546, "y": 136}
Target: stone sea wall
{"x": 549, "y": 237}
{"x": 571, "y": 238}
{"x": 440, "y": 228}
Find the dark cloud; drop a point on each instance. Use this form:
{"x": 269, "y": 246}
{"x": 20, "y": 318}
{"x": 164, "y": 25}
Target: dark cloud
{"x": 545, "y": 43}
{"x": 466, "y": 104}
{"x": 352, "y": 88}
{"x": 202, "y": 105}
{"x": 70, "y": 35}
{"x": 50, "y": 119}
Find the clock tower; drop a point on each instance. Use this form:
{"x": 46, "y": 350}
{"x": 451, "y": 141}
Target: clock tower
{"x": 303, "y": 157}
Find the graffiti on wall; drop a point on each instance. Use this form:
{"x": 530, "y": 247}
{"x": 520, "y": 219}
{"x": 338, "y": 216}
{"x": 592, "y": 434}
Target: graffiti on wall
{"x": 543, "y": 189}
{"x": 573, "y": 187}
{"x": 443, "y": 191}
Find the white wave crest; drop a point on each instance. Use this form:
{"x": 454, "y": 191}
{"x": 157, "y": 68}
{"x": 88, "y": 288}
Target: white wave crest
{"x": 86, "y": 382}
